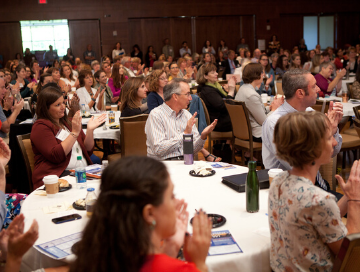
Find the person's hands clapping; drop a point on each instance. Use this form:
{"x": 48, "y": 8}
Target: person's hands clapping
{"x": 341, "y": 73}
{"x": 277, "y": 102}
{"x": 76, "y": 123}
{"x": 18, "y": 106}
{"x": 190, "y": 124}
{"x": 74, "y": 105}
{"x": 20, "y": 242}
{"x": 208, "y": 129}
{"x": 352, "y": 187}
{"x": 95, "y": 122}
{"x": 197, "y": 245}
{"x": 335, "y": 114}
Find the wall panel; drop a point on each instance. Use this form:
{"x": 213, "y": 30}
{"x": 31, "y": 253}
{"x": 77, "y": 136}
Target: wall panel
{"x": 10, "y": 43}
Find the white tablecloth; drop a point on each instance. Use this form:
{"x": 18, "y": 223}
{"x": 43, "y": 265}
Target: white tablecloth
{"x": 100, "y": 133}
{"x": 250, "y": 231}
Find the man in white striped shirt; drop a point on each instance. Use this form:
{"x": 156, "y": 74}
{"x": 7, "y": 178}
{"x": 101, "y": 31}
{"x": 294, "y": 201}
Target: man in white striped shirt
{"x": 167, "y": 124}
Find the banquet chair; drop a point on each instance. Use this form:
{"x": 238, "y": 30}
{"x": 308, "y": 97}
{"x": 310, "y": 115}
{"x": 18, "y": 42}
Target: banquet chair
{"x": 214, "y": 135}
{"x": 349, "y": 87}
{"x": 321, "y": 106}
{"x": 357, "y": 112}
{"x": 350, "y": 142}
{"x": 242, "y": 133}
{"x": 348, "y": 258}
{"x": 328, "y": 172}
{"x": 28, "y": 155}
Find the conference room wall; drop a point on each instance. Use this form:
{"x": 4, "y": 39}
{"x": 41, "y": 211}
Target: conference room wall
{"x": 122, "y": 12}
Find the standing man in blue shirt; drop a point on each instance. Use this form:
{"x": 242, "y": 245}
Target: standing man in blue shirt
{"x": 89, "y": 55}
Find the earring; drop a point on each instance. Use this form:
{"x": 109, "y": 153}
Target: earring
{"x": 153, "y": 225}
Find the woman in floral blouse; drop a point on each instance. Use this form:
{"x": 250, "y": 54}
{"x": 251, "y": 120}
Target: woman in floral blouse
{"x": 305, "y": 221}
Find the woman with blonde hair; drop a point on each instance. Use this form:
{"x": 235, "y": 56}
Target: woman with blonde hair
{"x": 295, "y": 61}
{"x": 67, "y": 75}
{"x": 132, "y": 94}
{"x": 157, "y": 82}
{"x": 316, "y": 61}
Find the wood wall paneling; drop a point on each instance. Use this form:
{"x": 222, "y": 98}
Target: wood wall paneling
{"x": 11, "y": 43}
{"x": 82, "y": 33}
{"x": 215, "y": 29}
{"x": 291, "y": 30}
{"x": 180, "y": 32}
{"x": 349, "y": 28}
{"x": 247, "y": 30}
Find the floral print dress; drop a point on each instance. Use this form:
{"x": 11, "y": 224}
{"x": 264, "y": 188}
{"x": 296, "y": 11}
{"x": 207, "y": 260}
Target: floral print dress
{"x": 303, "y": 218}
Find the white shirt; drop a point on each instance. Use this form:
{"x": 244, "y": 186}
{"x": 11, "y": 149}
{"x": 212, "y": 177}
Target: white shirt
{"x": 85, "y": 97}
{"x": 72, "y": 82}
{"x": 130, "y": 72}
{"x": 164, "y": 133}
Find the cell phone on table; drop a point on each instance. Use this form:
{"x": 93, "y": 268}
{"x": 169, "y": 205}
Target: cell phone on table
{"x": 66, "y": 218}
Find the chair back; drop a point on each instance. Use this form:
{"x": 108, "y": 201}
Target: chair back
{"x": 207, "y": 116}
{"x": 240, "y": 121}
{"x": 357, "y": 112}
{"x": 357, "y": 125}
{"x": 328, "y": 172}
{"x": 348, "y": 258}
{"x": 279, "y": 89}
{"x": 132, "y": 135}
{"x": 321, "y": 106}
{"x": 28, "y": 156}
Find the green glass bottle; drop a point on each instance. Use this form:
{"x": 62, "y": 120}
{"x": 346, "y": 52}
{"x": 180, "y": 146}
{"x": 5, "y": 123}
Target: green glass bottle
{"x": 252, "y": 189}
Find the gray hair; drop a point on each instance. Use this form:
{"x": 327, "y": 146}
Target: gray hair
{"x": 293, "y": 80}
{"x": 93, "y": 63}
{"x": 173, "y": 87}
{"x": 324, "y": 65}
{"x": 125, "y": 59}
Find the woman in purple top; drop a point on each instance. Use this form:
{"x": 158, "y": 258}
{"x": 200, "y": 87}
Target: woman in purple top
{"x": 117, "y": 79}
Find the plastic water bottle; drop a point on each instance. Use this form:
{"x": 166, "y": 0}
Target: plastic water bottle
{"x": 105, "y": 164}
{"x": 90, "y": 201}
{"x": 80, "y": 174}
{"x": 82, "y": 109}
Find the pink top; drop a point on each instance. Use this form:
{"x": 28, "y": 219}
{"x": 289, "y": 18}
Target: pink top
{"x": 115, "y": 91}
{"x": 323, "y": 84}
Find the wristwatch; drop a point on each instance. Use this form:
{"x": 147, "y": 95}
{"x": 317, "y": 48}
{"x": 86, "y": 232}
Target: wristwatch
{"x": 93, "y": 99}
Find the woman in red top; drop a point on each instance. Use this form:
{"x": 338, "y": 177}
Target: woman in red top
{"x": 56, "y": 142}
{"x": 138, "y": 225}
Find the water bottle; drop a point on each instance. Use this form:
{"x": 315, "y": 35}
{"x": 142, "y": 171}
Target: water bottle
{"x": 271, "y": 99}
{"x": 188, "y": 149}
{"x": 80, "y": 174}
{"x": 252, "y": 189}
{"x": 82, "y": 109}
{"x": 90, "y": 201}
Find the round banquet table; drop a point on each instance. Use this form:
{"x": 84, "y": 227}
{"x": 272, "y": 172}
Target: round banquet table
{"x": 100, "y": 133}
{"x": 250, "y": 231}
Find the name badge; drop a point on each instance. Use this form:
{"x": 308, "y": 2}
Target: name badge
{"x": 89, "y": 54}
{"x": 62, "y": 134}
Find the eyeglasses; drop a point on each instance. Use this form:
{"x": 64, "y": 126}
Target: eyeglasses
{"x": 174, "y": 67}
{"x": 7, "y": 74}
{"x": 265, "y": 59}
{"x": 163, "y": 78}
{"x": 187, "y": 94}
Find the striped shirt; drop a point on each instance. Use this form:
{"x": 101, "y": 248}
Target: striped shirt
{"x": 164, "y": 133}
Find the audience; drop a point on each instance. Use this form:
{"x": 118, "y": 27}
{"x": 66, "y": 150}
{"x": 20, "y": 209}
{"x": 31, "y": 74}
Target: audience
{"x": 213, "y": 94}
{"x": 69, "y": 57}
{"x": 327, "y": 85}
{"x": 174, "y": 71}
{"x": 118, "y": 51}
{"x": 21, "y": 83}
{"x": 139, "y": 222}
{"x": 355, "y": 87}
{"x": 300, "y": 91}
{"x": 158, "y": 81}
{"x": 184, "y": 49}
{"x": 90, "y": 97}
{"x": 134, "y": 91}
{"x": 230, "y": 64}
{"x": 208, "y": 48}
{"x": 53, "y": 152}
{"x": 353, "y": 61}
{"x": 150, "y": 57}
{"x": 117, "y": 79}
{"x": 253, "y": 77}
{"x": 167, "y": 49}
{"x": 50, "y": 56}
{"x": 68, "y": 77}
{"x": 168, "y": 122}
{"x": 136, "y": 52}
{"x": 282, "y": 65}
{"x": 100, "y": 78}
{"x": 310, "y": 232}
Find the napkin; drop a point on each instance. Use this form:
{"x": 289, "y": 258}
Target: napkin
{"x": 202, "y": 168}
{"x": 60, "y": 207}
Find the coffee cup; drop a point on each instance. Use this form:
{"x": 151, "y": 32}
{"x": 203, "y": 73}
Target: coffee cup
{"x": 264, "y": 99}
{"x": 51, "y": 185}
{"x": 114, "y": 107}
{"x": 273, "y": 173}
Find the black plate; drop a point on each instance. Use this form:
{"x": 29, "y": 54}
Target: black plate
{"x": 88, "y": 116}
{"x": 115, "y": 127}
{"x": 63, "y": 189}
{"x": 192, "y": 173}
{"x": 216, "y": 218}
{"x": 78, "y": 207}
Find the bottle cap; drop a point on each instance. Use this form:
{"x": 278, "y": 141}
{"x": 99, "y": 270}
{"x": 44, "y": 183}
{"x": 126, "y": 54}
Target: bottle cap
{"x": 90, "y": 189}
{"x": 79, "y": 158}
{"x": 252, "y": 164}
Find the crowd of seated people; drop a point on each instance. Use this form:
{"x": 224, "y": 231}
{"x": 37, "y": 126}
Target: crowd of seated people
{"x": 157, "y": 85}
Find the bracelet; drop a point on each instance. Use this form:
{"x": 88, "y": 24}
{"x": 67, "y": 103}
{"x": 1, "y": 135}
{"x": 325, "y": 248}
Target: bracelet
{"x": 74, "y": 135}
{"x": 354, "y": 200}
{"x": 93, "y": 99}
